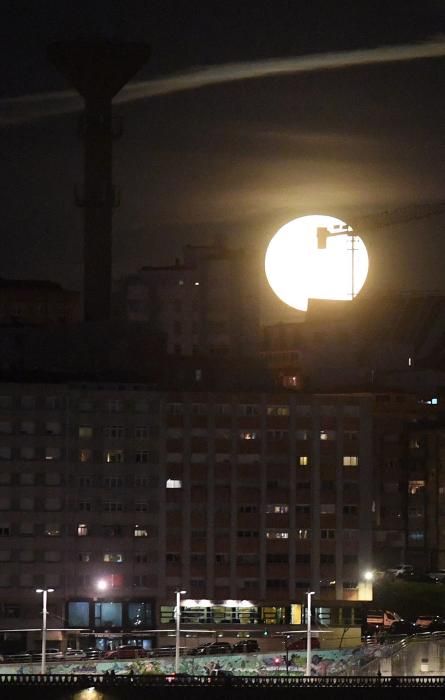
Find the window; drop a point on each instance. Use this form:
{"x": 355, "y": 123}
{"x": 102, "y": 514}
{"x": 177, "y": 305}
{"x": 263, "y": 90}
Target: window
{"x": 173, "y": 484}
{"x": 247, "y": 533}
{"x": 175, "y": 409}
{"x": 53, "y": 453}
{"x": 140, "y": 581}
{"x": 303, "y": 533}
{"x": 327, "y": 534}
{"x": 327, "y": 508}
{"x": 248, "y": 410}
{"x": 416, "y": 487}
{"x": 5, "y": 401}
{"x": 249, "y": 435}
{"x": 278, "y": 410}
{"x": 85, "y": 456}
{"x": 327, "y": 558}
{"x": 350, "y": 460}
{"x": 85, "y": 506}
{"x": 53, "y": 503}
{"x": 108, "y": 615}
{"x": 223, "y": 409}
{"x": 141, "y": 506}
{"x": 350, "y": 434}
{"x": 114, "y": 456}
{"x": 52, "y": 556}
{"x": 114, "y": 431}
{"x": 52, "y": 479}
{"x": 113, "y": 557}
{"x": 27, "y": 427}
{"x": 303, "y": 461}
{"x": 277, "y": 508}
{"x": 78, "y": 614}
{"x": 113, "y": 482}
{"x": 276, "y": 583}
{"x": 140, "y": 614}
{"x": 52, "y": 403}
{"x": 86, "y": 405}
{"x": 113, "y": 506}
{"x": 277, "y": 558}
{"x": 414, "y": 444}
{"x": 328, "y": 435}
{"x": 115, "y": 405}
{"x": 140, "y": 531}
{"x": 27, "y": 453}
{"x": 302, "y": 558}
{"x": 82, "y": 530}
{"x": 350, "y": 585}
{"x": 141, "y": 558}
{"x": 28, "y": 402}
{"x": 86, "y": 431}
{"x": 302, "y": 508}
{"x": 85, "y": 481}
{"x": 5, "y": 427}
{"x": 84, "y": 556}
{"x": 26, "y": 503}
{"x": 350, "y": 509}
{"x": 173, "y": 558}
{"x": 141, "y": 431}
{"x": 5, "y": 453}
{"x": 277, "y": 435}
{"x": 350, "y": 559}
{"x": 277, "y": 534}
{"x": 53, "y": 428}
{"x": 112, "y": 530}
{"x": 302, "y": 434}
{"x": 52, "y": 529}
{"x": 5, "y": 529}
{"x": 142, "y": 457}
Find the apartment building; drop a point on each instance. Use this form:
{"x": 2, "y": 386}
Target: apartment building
{"x": 116, "y": 496}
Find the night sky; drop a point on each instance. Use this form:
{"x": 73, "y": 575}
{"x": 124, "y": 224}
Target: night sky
{"x": 234, "y": 160}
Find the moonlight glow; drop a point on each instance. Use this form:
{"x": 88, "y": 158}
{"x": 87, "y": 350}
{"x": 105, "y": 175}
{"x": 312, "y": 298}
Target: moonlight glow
{"x": 316, "y": 257}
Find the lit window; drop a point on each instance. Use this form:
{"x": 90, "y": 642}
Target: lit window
{"x": 277, "y": 508}
{"x": 53, "y": 453}
{"x": 415, "y": 487}
{"x": 113, "y": 557}
{"x": 85, "y": 431}
{"x": 248, "y": 435}
{"x": 173, "y": 484}
{"x": 52, "y": 530}
{"x": 350, "y": 460}
{"x": 114, "y": 456}
{"x": 328, "y": 435}
{"x": 302, "y": 434}
{"x": 140, "y": 531}
{"x": 85, "y": 455}
{"x": 303, "y": 461}
{"x": 303, "y": 534}
{"x": 414, "y": 444}
{"x": 278, "y": 410}
{"x": 277, "y": 534}
{"x": 82, "y": 530}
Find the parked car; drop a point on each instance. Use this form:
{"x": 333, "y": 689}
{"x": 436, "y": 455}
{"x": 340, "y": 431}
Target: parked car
{"x": 438, "y": 575}
{"x": 93, "y": 653}
{"x": 424, "y": 622}
{"x": 51, "y": 654}
{"x": 401, "y": 570}
{"x": 437, "y": 625}
{"x": 126, "y": 651}
{"x": 74, "y": 654}
{"x": 400, "y": 627}
{"x": 246, "y": 646}
{"x": 382, "y": 619}
{"x": 213, "y": 648}
{"x": 301, "y": 643}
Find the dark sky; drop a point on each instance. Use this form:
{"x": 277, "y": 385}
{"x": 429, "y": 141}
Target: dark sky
{"x": 236, "y": 159}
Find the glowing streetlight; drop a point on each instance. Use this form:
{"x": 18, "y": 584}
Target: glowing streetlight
{"x": 44, "y": 592}
{"x": 178, "y": 627}
{"x": 308, "y": 637}
{"x": 101, "y": 584}
{"x": 368, "y": 576}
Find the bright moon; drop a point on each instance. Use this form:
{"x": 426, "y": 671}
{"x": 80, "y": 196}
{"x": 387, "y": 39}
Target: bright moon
{"x": 316, "y": 257}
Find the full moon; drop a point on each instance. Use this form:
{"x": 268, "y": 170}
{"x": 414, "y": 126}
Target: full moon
{"x": 316, "y": 257}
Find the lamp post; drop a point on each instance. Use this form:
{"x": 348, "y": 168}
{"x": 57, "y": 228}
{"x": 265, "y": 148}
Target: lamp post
{"x": 178, "y": 627}
{"x": 308, "y": 637}
{"x": 44, "y": 592}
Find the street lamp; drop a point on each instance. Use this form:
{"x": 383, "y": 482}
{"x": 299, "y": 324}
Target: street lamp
{"x": 308, "y": 638}
{"x": 178, "y": 627}
{"x": 44, "y": 592}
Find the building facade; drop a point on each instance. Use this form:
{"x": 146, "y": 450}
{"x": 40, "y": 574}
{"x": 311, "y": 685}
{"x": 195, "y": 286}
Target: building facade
{"x": 117, "y": 496}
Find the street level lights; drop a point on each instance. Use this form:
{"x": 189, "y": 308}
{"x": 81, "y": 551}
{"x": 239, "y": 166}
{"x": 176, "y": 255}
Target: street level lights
{"x": 308, "y": 638}
{"x": 178, "y": 627}
{"x": 44, "y": 592}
